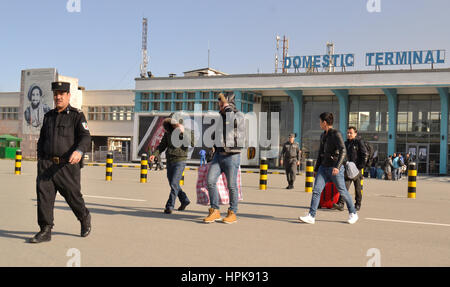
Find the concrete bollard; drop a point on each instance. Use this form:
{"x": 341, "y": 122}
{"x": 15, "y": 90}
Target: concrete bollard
{"x": 309, "y": 178}
{"x": 412, "y": 178}
{"x": 109, "y": 166}
{"x": 18, "y": 166}
{"x": 144, "y": 165}
{"x": 263, "y": 174}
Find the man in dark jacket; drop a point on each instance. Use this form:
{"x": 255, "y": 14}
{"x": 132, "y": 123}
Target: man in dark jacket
{"x": 175, "y": 142}
{"x": 226, "y": 159}
{"x": 357, "y": 153}
{"x": 329, "y": 167}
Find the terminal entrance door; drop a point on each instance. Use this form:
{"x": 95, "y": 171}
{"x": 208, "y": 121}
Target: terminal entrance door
{"x": 419, "y": 153}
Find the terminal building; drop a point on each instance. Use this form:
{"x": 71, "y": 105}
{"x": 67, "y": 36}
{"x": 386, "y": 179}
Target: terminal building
{"x": 395, "y": 110}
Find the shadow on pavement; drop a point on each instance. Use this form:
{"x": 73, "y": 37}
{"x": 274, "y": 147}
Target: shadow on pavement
{"x": 186, "y": 215}
{"x": 25, "y": 235}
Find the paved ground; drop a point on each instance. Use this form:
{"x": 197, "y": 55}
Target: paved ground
{"x": 130, "y": 228}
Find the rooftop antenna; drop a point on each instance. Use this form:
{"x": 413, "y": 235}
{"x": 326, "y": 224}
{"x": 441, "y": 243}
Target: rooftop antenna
{"x": 285, "y": 52}
{"x": 144, "y": 62}
{"x": 330, "y": 52}
{"x": 277, "y": 53}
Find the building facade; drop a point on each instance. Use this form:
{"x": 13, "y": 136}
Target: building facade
{"x": 396, "y": 111}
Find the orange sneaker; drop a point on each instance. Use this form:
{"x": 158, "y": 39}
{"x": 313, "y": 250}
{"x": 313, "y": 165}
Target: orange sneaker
{"x": 231, "y": 217}
{"x": 214, "y": 215}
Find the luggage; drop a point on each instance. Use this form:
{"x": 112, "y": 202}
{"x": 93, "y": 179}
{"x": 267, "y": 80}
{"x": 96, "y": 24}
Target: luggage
{"x": 373, "y": 172}
{"x": 329, "y": 196}
{"x": 202, "y": 190}
{"x": 380, "y": 173}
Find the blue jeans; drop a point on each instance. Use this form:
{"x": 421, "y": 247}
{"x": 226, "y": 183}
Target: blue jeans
{"x": 229, "y": 164}
{"x": 202, "y": 160}
{"x": 174, "y": 173}
{"x": 395, "y": 174}
{"x": 324, "y": 175}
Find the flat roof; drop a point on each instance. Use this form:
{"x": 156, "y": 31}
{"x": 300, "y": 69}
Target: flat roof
{"x": 304, "y": 74}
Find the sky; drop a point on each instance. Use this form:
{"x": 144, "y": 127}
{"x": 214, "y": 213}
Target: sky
{"x": 101, "y": 44}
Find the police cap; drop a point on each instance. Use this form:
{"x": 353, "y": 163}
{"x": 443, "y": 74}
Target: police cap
{"x": 61, "y": 86}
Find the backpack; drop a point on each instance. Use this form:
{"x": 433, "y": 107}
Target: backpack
{"x": 370, "y": 153}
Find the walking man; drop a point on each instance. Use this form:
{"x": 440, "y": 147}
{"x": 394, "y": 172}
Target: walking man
{"x": 63, "y": 140}
{"x": 357, "y": 153}
{"x": 176, "y": 156}
{"x": 290, "y": 156}
{"x": 329, "y": 167}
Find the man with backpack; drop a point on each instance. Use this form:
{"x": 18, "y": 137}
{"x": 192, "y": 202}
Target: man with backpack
{"x": 358, "y": 154}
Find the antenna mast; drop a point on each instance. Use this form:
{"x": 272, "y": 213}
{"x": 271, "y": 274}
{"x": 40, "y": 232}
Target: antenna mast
{"x": 144, "y": 62}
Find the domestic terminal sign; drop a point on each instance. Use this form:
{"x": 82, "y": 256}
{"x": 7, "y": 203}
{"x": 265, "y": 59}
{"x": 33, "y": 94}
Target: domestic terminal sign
{"x": 372, "y": 59}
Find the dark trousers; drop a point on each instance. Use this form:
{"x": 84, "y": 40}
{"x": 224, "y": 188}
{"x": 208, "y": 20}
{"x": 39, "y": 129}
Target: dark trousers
{"x": 174, "y": 174}
{"x": 357, "y": 183}
{"x": 62, "y": 178}
{"x": 291, "y": 171}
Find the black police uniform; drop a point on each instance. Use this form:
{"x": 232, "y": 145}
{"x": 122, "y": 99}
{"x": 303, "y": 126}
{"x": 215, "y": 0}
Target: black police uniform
{"x": 61, "y": 134}
{"x": 290, "y": 155}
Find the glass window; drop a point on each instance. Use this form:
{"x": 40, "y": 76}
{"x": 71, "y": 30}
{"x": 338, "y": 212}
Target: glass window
{"x": 419, "y": 123}
{"x": 178, "y": 106}
{"x": 156, "y": 106}
{"x": 312, "y": 108}
{"x": 179, "y": 96}
{"x": 145, "y": 106}
{"x": 168, "y": 96}
{"x": 205, "y": 95}
{"x": 285, "y": 109}
{"x": 191, "y": 96}
{"x": 145, "y": 96}
{"x": 167, "y": 106}
{"x": 156, "y": 96}
{"x": 205, "y": 106}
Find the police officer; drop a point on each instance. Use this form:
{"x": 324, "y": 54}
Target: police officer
{"x": 290, "y": 156}
{"x": 63, "y": 140}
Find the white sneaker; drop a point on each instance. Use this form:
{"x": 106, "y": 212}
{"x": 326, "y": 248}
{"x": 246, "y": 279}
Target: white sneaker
{"x": 307, "y": 219}
{"x": 352, "y": 218}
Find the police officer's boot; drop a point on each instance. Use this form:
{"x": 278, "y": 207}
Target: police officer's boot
{"x": 86, "y": 226}
{"x": 44, "y": 235}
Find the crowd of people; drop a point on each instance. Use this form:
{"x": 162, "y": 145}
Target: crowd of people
{"x": 394, "y": 167}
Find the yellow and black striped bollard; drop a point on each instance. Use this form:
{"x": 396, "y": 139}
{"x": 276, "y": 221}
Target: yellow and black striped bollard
{"x": 109, "y": 166}
{"x": 263, "y": 174}
{"x": 362, "y": 180}
{"x": 182, "y": 179}
{"x": 18, "y": 168}
{"x": 412, "y": 178}
{"x": 309, "y": 179}
{"x": 144, "y": 165}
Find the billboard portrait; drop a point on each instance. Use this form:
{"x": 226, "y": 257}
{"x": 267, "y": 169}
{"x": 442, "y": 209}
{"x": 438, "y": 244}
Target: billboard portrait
{"x": 37, "y": 98}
